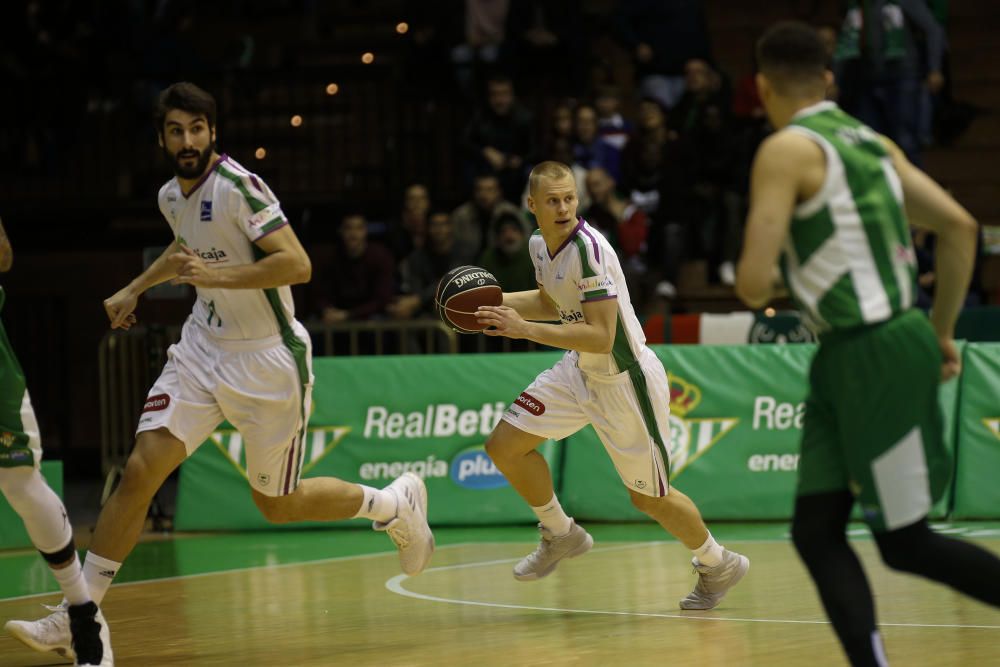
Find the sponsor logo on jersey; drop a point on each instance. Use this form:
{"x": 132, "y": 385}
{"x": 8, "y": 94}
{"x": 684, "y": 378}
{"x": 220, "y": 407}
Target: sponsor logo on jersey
{"x": 212, "y": 256}
{"x": 530, "y": 403}
{"x": 570, "y": 316}
{"x": 596, "y": 283}
{"x": 156, "y": 403}
{"x": 206, "y": 211}
{"x": 691, "y": 437}
{"x": 266, "y": 215}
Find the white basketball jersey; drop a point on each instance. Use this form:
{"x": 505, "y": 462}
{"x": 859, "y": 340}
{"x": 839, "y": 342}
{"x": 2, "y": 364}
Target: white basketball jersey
{"x": 586, "y": 268}
{"x": 220, "y": 220}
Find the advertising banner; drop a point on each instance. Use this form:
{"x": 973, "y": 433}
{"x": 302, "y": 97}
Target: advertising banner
{"x": 736, "y": 420}
{"x": 977, "y": 491}
{"x": 735, "y": 423}
{"x": 12, "y": 533}
{"x": 373, "y": 419}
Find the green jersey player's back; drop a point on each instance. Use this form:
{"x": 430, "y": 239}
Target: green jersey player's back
{"x": 848, "y": 260}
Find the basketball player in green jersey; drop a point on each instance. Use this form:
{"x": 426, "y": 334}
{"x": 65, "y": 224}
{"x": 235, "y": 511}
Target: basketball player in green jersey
{"x": 834, "y": 200}
{"x": 40, "y": 509}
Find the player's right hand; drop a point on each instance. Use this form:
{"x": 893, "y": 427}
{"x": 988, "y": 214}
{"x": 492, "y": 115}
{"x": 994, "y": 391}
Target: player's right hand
{"x": 951, "y": 361}
{"x": 119, "y": 308}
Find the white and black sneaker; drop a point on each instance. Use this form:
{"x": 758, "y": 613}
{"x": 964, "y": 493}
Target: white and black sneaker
{"x": 91, "y": 638}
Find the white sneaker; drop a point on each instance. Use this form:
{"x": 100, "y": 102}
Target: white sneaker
{"x": 91, "y": 637}
{"x": 543, "y": 560}
{"x": 715, "y": 582}
{"x": 409, "y": 529}
{"x": 51, "y": 633}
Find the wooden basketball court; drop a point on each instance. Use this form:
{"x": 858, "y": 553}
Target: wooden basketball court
{"x": 617, "y": 604}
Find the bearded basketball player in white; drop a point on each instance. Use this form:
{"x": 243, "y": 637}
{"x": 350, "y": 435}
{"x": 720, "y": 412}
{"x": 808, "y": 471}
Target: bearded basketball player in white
{"x": 242, "y": 357}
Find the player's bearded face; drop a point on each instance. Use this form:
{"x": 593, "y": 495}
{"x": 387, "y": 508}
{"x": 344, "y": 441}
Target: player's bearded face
{"x": 189, "y": 161}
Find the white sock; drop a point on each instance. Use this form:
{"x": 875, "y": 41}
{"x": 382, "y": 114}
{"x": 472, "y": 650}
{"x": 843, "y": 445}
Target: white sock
{"x": 552, "y": 517}
{"x": 72, "y": 583}
{"x": 710, "y": 553}
{"x": 99, "y": 573}
{"x": 378, "y": 505}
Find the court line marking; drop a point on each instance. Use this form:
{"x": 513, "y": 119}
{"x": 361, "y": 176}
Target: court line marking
{"x": 395, "y": 585}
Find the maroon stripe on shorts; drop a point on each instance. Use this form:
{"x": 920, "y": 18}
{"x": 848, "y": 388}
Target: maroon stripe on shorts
{"x": 288, "y": 467}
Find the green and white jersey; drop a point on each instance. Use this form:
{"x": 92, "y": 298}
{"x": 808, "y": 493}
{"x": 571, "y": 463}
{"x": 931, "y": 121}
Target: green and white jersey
{"x": 848, "y": 259}
{"x": 585, "y": 268}
{"x": 222, "y": 217}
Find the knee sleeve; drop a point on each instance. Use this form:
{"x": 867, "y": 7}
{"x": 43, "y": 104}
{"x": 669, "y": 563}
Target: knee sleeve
{"x": 820, "y": 520}
{"x": 43, "y": 514}
{"x": 908, "y": 549}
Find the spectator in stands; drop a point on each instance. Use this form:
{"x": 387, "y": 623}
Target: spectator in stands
{"x": 625, "y": 225}
{"x": 662, "y": 37}
{"x": 423, "y": 268}
{"x": 643, "y": 168}
{"x": 507, "y": 256}
{"x": 880, "y": 68}
{"x": 410, "y": 231}
{"x": 357, "y": 282}
{"x": 474, "y": 220}
{"x": 545, "y": 42}
{"x": 713, "y": 161}
{"x": 612, "y": 127}
{"x": 589, "y": 150}
{"x": 559, "y": 140}
{"x": 500, "y": 139}
{"x": 485, "y": 32}
{"x": 705, "y": 88}
{"x": 436, "y": 32}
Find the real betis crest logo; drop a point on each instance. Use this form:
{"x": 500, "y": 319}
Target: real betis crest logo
{"x": 690, "y": 437}
{"x": 320, "y": 441}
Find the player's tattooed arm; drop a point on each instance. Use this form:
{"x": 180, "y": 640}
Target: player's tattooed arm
{"x": 6, "y": 252}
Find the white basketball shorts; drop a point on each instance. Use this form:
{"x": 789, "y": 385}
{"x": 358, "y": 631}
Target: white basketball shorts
{"x": 629, "y": 412}
{"x": 263, "y": 387}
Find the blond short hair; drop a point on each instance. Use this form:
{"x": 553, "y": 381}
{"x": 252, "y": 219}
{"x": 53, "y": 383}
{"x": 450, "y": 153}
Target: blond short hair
{"x": 549, "y": 169}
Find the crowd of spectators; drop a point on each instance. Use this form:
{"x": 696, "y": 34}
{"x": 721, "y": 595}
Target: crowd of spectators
{"x": 662, "y": 169}
{"x": 662, "y": 161}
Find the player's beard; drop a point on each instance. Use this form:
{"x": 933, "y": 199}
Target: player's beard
{"x": 200, "y": 165}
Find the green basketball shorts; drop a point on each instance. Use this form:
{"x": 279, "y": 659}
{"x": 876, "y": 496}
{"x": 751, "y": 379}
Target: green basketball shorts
{"x": 873, "y": 423}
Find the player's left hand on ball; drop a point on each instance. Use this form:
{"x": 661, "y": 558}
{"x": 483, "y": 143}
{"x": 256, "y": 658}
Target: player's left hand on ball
{"x": 505, "y": 321}
{"x": 190, "y": 268}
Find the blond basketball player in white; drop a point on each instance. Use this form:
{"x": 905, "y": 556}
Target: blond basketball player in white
{"x": 242, "y": 357}
{"x": 609, "y": 378}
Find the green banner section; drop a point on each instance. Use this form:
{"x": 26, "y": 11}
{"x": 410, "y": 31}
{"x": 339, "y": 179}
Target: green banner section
{"x": 373, "y": 419}
{"x": 12, "y": 532}
{"x": 977, "y": 492}
{"x": 735, "y": 423}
